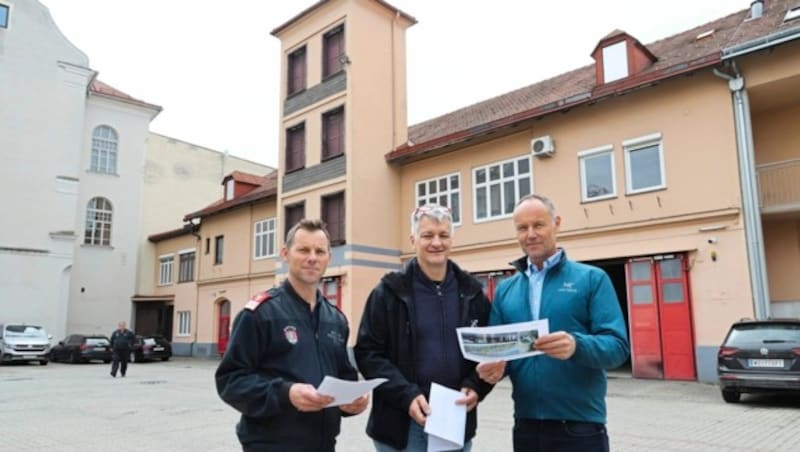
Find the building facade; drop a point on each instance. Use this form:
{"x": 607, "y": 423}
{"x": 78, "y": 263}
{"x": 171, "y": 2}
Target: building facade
{"x": 672, "y": 165}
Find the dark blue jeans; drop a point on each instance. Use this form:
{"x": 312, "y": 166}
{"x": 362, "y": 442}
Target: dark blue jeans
{"x": 532, "y": 435}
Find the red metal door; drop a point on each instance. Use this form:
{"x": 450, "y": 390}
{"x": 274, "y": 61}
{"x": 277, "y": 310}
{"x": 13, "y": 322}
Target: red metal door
{"x": 675, "y": 319}
{"x": 224, "y": 326}
{"x": 646, "y": 358}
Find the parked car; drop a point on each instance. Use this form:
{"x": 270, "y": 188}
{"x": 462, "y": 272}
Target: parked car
{"x": 151, "y": 347}
{"x": 759, "y": 356}
{"x": 82, "y": 348}
{"x": 26, "y": 343}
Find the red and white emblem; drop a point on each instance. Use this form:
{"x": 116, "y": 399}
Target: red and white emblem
{"x": 291, "y": 334}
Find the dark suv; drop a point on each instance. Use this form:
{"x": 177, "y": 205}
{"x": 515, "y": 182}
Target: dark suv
{"x": 82, "y": 348}
{"x": 152, "y": 347}
{"x": 759, "y": 356}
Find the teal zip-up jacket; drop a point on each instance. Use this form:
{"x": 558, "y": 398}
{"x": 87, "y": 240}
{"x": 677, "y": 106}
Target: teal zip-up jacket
{"x": 579, "y": 299}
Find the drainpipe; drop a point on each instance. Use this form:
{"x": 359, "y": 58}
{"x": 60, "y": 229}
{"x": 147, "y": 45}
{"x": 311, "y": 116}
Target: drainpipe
{"x": 750, "y": 201}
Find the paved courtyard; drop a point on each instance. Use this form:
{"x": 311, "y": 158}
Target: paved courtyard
{"x": 173, "y": 407}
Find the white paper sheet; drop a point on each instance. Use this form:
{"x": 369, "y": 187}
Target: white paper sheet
{"x": 346, "y": 391}
{"x": 447, "y": 421}
{"x": 503, "y": 342}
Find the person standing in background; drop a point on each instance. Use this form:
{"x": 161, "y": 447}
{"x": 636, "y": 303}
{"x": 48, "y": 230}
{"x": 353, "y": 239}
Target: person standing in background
{"x": 121, "y": 343}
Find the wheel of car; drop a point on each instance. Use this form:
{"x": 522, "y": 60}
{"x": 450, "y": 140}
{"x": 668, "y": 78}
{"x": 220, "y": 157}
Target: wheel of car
{"x": 73, "y": 358}
{"x": 731, "y": 396}
{"x": 166, "y": 358}
{"x": 43, "y": 362}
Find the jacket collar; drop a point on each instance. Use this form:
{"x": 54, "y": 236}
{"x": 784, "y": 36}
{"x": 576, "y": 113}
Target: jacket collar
{"x": 521, "y": 264}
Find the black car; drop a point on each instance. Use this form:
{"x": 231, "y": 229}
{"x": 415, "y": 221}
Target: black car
{"x": 151, "y": 347}
{"x": 759, "y": 356}
{"x": 82, "y": 348}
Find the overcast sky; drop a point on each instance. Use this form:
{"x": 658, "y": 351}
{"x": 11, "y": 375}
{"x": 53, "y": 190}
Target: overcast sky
{"x": 214, "y": 67}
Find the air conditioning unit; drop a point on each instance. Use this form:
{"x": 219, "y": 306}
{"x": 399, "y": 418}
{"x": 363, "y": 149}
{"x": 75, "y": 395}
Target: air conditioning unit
{"x": 543, "y": 146}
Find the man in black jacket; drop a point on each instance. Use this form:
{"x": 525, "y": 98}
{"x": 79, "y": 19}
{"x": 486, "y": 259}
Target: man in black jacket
{"x": 283, "y": 343}
{"x": 408, "y": 335}
{"x": 121, "y": 343}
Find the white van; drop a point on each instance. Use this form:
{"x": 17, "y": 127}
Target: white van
{"x": 20, "y": 342}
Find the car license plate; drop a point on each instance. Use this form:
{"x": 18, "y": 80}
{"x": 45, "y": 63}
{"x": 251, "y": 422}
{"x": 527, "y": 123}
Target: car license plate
{"x": 765, "y": 362}
{"x": 158, "y": 349}
{"x": 99, "y": 349}
{"x": 29, "y": 357}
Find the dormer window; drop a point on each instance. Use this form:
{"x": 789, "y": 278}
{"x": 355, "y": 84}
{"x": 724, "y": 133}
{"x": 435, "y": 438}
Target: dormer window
{"x": 229, "y": 189}
{"x": 619, "y": 56}
{"x": 615, "y": 62}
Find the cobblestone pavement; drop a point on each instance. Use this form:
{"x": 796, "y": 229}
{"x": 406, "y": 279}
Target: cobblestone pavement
{"x": 173, "y": 406}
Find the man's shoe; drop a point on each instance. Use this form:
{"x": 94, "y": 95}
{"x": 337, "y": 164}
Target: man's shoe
{"x": 113, "y": 375}
{"x": 123, "y": 375}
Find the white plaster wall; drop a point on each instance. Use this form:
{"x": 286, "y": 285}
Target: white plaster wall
{"x": 103, "y": 278}
{"x": 43, "y": 80}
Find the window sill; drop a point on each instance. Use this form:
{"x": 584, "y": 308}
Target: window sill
{"x": 296, "y": 93}
{"x": 263, "y": 258}
{"x": 332, "y": 157}
{"x": 99, "y": 247}
{"x": 325, "y": 78}
{"x": 101, "y": 173}
{"x": 187, "y": 281}
{"x": 294, "y": 170}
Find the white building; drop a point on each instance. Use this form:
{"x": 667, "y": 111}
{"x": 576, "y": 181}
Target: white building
{"x": 82, "y": 188}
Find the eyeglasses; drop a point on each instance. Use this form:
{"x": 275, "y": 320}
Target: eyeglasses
{"x": 432, "y": 209}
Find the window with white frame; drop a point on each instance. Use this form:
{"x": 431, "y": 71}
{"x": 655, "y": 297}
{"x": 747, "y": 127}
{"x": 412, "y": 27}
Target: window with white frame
{"x": 184, "y": 323}
{"x": 598, "y": 180}
{"x": 186, "y": 265}
{"x": 264, "y": 239}
{"x": 644, "y": 164}
{"x": 229, "y": 185}
{"x": 99, "y": 214}
{"x": 498, "y": 186}
{"x": 165, "y": 269}
{"x": 104, "y": 150}
{"x": 444, "y": 191}
{"x": 3, "y": 16}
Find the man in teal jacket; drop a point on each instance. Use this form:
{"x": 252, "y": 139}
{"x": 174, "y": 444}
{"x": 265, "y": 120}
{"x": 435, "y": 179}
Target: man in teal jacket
{"x": 559, "y": 397}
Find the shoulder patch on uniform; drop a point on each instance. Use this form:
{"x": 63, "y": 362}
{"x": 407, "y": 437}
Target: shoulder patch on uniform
{"x": 256, "y": 300}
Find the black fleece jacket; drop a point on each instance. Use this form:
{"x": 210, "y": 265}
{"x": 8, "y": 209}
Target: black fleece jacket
{"x": 387, "y": 348}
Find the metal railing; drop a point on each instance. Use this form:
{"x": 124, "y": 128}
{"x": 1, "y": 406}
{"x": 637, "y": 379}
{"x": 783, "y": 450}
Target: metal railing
{"x": 779, "y": 186}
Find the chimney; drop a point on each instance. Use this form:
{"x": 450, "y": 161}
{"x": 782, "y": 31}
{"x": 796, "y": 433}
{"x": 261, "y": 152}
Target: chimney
{"x": 756, "y": 9}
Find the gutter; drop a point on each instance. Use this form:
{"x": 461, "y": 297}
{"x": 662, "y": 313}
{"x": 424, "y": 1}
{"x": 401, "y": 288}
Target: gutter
{"x": 764, "y": 42}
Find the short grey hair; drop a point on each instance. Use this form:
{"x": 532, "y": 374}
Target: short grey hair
{"x": 307, "y": 225}
{"x": 548, "y": 203}
{"x": 435, "y": 212}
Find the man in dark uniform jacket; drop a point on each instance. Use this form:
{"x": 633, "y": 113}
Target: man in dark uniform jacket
{"x": 283, "y": 344}
{"x": 121, "y": 343}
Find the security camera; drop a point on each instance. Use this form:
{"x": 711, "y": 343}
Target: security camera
{"x": 712, "y": 240}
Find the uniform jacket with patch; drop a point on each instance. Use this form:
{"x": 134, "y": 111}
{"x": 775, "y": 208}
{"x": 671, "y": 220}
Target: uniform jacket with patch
{"x": 274, "y": 344}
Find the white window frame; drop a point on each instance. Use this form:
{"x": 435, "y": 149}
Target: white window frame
{"x": 99, "y": 222}
{"x": 104, "y": 150}
{"x": 166, "y": 263}
{"x": 7, "y": 8}
{"x": 194, "y": 265}
{"x": 639, "y": 143}
{"x": 596, "y": 152}
{"x": 448, "y": 192}
{"x": 229, "y": 185}
{"x": 488, "y": 183}
{"x": 615, "y": 61}
{"x": 268, "y": 236}
{"x": 184, "y": 323}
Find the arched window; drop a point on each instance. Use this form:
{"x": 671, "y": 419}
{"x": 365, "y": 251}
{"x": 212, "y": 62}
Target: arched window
{"x": 98, "y": 222}
{"x": 104, "y": 150}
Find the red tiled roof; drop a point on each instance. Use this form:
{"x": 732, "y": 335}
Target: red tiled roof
{"x": 676, "y": 55}
{"x": 267, "y": 189}
{"x": 311, "y": 8}
{"x": 104, "y": 89}
{"x": 246, "y": 178}
{"x": 185, "y": 229}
